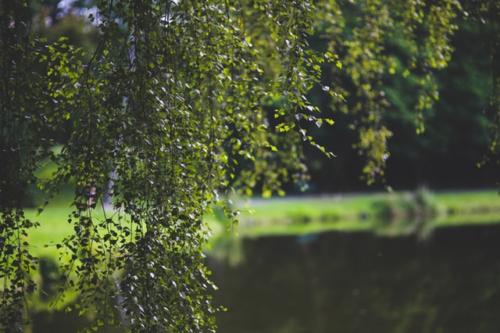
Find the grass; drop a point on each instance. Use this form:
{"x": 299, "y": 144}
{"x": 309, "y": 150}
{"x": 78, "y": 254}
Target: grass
{"x": 359, "y": 212}
{"x": 296, "y": 215}
{"x": 53, "y": 228}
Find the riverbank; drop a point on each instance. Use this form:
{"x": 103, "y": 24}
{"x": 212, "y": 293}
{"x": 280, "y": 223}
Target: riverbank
{"x": 387, "y": 213}
{"x": 390, "y": 213}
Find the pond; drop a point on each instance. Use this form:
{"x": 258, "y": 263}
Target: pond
{"x": 341, "y": 282}
{"x": 354, "y": 282}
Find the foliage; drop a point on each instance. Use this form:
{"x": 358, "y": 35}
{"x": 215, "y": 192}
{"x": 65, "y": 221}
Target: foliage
{"x": 26, "y": 66}
{"x": 361, "y": 34}
{"x": 457, "y": 125}
{"x": 457, "y": 128}
{"x": 488, "y": 12}
{"x": 175, "y": 96}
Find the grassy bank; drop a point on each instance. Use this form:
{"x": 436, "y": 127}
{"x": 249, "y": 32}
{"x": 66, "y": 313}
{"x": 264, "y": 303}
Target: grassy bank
{"x": 357, "y": 212}
{"x": 298, "y": 215}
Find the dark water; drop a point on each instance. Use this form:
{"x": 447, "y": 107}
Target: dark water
{"x": 340, "y": 282}
{"x": 344, "y": 282}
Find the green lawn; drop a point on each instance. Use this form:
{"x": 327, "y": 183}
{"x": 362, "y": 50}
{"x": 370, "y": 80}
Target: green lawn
{"x": 296, "y": 215}
{"x": 358, "y": 212}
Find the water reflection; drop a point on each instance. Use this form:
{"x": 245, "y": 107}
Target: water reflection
{"x": 341, "y": 282}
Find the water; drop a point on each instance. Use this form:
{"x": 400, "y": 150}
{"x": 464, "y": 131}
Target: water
{"x": 354, "y": 282}
{"x": 341, "y": 282}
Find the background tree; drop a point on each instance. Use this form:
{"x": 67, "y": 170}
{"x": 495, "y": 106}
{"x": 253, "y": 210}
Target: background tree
{"x": 458, "y": 126}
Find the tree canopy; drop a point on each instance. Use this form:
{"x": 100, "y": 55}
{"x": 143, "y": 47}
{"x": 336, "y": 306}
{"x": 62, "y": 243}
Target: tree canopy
{"x": 181, "y": 103}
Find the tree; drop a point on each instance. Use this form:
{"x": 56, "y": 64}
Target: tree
{"x": 452, "y": 131}
{"x": 181, "y": 103}
{"x": 171, "y": 101}
{"x": 362, "y": 33}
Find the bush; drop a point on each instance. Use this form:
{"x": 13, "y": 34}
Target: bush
{"x": 409, "y": 210}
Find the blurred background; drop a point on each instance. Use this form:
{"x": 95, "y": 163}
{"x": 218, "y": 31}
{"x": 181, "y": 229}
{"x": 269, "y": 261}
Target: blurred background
{"x": 415, "y": 252}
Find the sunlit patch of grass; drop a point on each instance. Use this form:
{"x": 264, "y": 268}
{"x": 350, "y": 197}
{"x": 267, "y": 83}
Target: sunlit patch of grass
{"x": 295, "y": 215}
{"x": 362, "y": 212}
{"x": 53, "y": 228}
